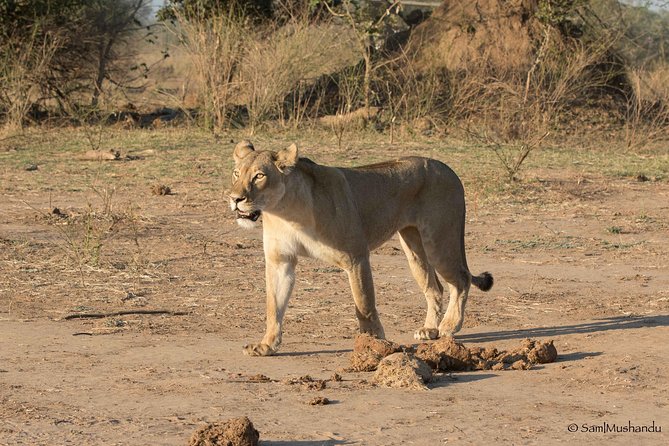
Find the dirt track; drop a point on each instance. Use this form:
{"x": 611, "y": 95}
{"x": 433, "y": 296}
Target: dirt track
{"x": 585, "y": 265}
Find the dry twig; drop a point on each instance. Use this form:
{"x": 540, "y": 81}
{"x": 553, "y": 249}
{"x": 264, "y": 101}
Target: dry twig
{"x": 122, "y": 313}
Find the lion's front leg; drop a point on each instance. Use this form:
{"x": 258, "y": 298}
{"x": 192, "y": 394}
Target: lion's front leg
{"x": 280, "y": 277}
{"x": 362, "y": 287}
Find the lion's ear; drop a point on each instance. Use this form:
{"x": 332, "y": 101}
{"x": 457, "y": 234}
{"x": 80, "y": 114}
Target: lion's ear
{"x": 287, "y": 158}
{"x": 242, "y": 149}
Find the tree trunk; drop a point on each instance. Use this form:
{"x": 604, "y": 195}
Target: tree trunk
{"x": 101, "y": 71}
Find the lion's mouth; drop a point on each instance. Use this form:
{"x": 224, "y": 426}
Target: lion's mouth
{"x": 253, "y": 216}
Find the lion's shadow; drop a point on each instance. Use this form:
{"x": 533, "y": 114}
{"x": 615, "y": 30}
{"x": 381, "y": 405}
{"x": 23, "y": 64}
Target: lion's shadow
{"x": 600, "y": 325}
{"x": 304, "y": 442}
{"x": 605, "y": 324}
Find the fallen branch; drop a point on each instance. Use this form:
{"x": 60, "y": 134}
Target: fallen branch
{"x": 122, "y": 313}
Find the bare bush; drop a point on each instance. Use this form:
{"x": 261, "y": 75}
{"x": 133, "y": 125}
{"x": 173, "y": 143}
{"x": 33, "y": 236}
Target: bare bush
{"x": 62, "y": 54}
{"x": 349, "y": 97}
{"x": 416, "y": 99}
{"x": 518, "y": 110}
{"x": 264, "y": 69}
{"x": 216, "y": 46}
{"x": 274, "y": 66}
{"x": 365, "y": 28}
{"x": 24, "y": 63}
{"x": 647, "y": 112}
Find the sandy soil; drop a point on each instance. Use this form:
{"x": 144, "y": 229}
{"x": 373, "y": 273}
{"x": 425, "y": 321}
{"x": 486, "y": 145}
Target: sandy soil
{"x": 587, "y": 266}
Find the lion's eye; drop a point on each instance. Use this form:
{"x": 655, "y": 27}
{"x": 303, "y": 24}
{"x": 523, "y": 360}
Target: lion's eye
{"x": 259, "y": 176}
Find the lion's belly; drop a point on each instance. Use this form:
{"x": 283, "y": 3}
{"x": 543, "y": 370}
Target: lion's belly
{"x": 329, "y": 253}
{"x": 380, "y": 231}
{"x": 416, "y": 192}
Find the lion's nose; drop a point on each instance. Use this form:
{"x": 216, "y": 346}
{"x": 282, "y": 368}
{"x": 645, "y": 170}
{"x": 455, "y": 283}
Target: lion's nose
{"x": 237, "y": 198}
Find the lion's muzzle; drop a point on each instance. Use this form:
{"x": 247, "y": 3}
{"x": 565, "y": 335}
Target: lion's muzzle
{"x": 253, "y": 216}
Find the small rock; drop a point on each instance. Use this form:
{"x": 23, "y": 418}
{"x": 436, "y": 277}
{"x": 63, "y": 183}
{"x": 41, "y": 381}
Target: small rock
{"x": 58, "y": 213}
{"x": 161, "y": 189}
{"x": 319, "y": 401}
{"x": 403, "y": 370}
{"x": 234, "y": 432}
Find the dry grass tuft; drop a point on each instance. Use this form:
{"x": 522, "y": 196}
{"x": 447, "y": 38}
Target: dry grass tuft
{"x": 648, "y": 108}
{"x": 23, "y": 66}
{"x": 276, "y": 64}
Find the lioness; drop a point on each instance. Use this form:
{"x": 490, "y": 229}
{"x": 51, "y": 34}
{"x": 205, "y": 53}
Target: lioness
{"x": 338, "y": 215}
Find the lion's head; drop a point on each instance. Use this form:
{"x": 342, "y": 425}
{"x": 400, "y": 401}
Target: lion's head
{"x": 258, "y": 180}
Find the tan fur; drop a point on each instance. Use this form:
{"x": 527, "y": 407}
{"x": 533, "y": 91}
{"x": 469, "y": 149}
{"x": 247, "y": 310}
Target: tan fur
{"x": 338, "y": 215}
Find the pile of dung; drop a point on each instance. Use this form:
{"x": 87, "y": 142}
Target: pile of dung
{"x": 403, "y": 370}
{"x": 307, "y": 382}
{"x": 368, "y": 351}
{"x": 234, "y": 432}
{"x": 446, "y": 355}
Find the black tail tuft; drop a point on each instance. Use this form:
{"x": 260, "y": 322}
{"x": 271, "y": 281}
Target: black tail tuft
{"x": 483, "y": 281}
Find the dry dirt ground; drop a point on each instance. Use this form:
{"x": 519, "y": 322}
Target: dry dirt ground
{"x": 579, "y": 255}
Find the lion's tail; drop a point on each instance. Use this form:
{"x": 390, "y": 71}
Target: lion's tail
{"x": 483, "y": 281}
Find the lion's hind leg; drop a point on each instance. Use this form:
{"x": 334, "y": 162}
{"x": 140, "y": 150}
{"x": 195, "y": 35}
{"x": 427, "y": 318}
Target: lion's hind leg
{"x": 459, "y": 280}
{"x": 455, "y": 312}
{"x": 445, "y": 250}
{"x": 427, "y": 280}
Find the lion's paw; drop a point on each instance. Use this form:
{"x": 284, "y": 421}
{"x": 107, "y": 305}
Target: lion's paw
{"x": 448, "y": 331}
{"x": 426, "y": 334}
{"x": 449, "y": 326}
{"x": 259, "y": 349}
